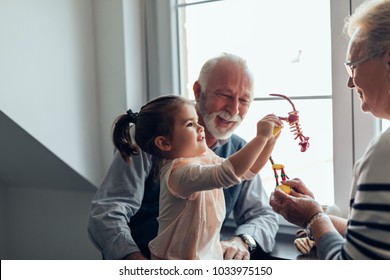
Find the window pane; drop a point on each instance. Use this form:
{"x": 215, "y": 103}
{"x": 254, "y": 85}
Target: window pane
{"x": 315, "y": 166}
{"x": 288, "y": 47}
{"x": 293, "y": 57}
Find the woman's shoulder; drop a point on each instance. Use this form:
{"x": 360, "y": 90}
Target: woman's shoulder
{"x": 372, "y": 167}
{"x": 381, "y": 143}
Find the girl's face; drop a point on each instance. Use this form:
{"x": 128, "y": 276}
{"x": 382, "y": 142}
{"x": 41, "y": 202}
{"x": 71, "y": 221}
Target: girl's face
{"x": 188, "y": 138}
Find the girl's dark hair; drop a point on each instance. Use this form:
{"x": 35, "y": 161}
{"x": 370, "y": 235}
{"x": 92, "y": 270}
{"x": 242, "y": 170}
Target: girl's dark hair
{"x": 156, "y": 118}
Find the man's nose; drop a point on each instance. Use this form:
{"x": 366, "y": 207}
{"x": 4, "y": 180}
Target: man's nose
{"x": 233, "y": 107}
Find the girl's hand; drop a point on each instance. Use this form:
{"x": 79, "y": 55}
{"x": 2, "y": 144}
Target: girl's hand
{"x": 266, "y": 125}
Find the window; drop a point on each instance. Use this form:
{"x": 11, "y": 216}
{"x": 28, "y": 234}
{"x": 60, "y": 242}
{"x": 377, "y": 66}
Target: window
{"x": 284, "y": 59}
{"x": 295, "y": 48}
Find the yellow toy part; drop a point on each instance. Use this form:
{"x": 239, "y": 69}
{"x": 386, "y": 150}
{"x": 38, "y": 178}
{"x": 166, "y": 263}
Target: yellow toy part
{"x": 276, "y": 130}
{"x": 285, "y": 188}
{"x": 277, "y": 166}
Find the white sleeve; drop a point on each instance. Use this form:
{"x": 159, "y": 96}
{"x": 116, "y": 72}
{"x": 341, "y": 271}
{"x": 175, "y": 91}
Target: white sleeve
{"x": 187, "y": 178}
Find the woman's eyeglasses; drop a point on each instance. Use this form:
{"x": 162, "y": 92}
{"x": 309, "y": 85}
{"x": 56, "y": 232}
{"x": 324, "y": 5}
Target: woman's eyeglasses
{"x": 350, "y": 66}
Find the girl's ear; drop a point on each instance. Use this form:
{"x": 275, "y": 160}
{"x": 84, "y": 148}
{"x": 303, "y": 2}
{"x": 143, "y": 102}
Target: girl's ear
{"x": 162, "y": 143}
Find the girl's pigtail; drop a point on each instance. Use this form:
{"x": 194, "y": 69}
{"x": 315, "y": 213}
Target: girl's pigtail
{"x": 121, "y": 135}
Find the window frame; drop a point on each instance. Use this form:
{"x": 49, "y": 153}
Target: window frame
{"x": 352, "y": 129}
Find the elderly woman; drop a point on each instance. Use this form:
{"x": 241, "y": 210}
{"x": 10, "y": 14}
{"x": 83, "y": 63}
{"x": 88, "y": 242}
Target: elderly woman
{"x": 366, "y": 233}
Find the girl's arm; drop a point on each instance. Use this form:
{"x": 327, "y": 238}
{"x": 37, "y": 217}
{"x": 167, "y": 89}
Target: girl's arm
{"x": 254, "y": 155}
{"x": 265, "y": 154}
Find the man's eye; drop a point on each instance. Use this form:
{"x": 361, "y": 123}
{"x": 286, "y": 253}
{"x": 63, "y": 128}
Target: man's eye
{"x": 244, "y": 101}
{"x": 224, "y": 95}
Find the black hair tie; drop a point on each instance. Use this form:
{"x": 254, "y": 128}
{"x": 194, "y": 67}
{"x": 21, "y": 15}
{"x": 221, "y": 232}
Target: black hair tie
{"x": 132, "y": 116}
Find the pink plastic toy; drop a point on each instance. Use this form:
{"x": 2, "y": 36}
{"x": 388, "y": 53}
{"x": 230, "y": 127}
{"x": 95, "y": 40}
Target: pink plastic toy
{"x": 293, "y": 121}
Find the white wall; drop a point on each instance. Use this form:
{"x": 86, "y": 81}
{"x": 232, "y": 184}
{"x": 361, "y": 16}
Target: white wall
{"x": 63, "y": 74}
{"x": 120, "y": 64}
{"x": 48, "y": 77}
{"x": 68, "y": 67}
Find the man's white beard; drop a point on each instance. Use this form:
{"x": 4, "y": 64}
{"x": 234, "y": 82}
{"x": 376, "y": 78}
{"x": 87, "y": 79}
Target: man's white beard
{"x": 220, "y": 133}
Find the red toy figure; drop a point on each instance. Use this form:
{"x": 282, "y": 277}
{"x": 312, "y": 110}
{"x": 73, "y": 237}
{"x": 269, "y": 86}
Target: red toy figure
{"x": 293, "y": 121}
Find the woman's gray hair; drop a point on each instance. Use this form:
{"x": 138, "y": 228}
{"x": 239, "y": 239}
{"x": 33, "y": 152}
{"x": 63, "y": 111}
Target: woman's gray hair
{"x": 372, "y": 17}
{"x": 210, "y": 64}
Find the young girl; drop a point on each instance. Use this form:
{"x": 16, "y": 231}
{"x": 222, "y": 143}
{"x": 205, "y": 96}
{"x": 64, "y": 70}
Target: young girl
{"x": 192, "y": 205}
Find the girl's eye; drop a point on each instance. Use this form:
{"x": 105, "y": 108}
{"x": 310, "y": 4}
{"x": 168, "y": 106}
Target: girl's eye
{"x": 190, "y": 124}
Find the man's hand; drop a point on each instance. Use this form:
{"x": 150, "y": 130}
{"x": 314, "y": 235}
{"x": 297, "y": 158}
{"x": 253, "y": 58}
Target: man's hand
{"x": 235, "y": 249}
{"x": 135, "y": 256}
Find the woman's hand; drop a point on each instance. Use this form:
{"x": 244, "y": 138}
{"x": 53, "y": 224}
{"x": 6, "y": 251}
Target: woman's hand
{"x": 297, "y": 208}
{"x": 298, "y": 186}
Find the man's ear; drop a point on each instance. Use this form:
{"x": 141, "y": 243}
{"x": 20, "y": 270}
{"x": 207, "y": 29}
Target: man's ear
{"x": 197, "y": 90}
{"x": 163, "y": 143}
{"x": 388, "y": 62}
{"x": 388, "y": 56}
